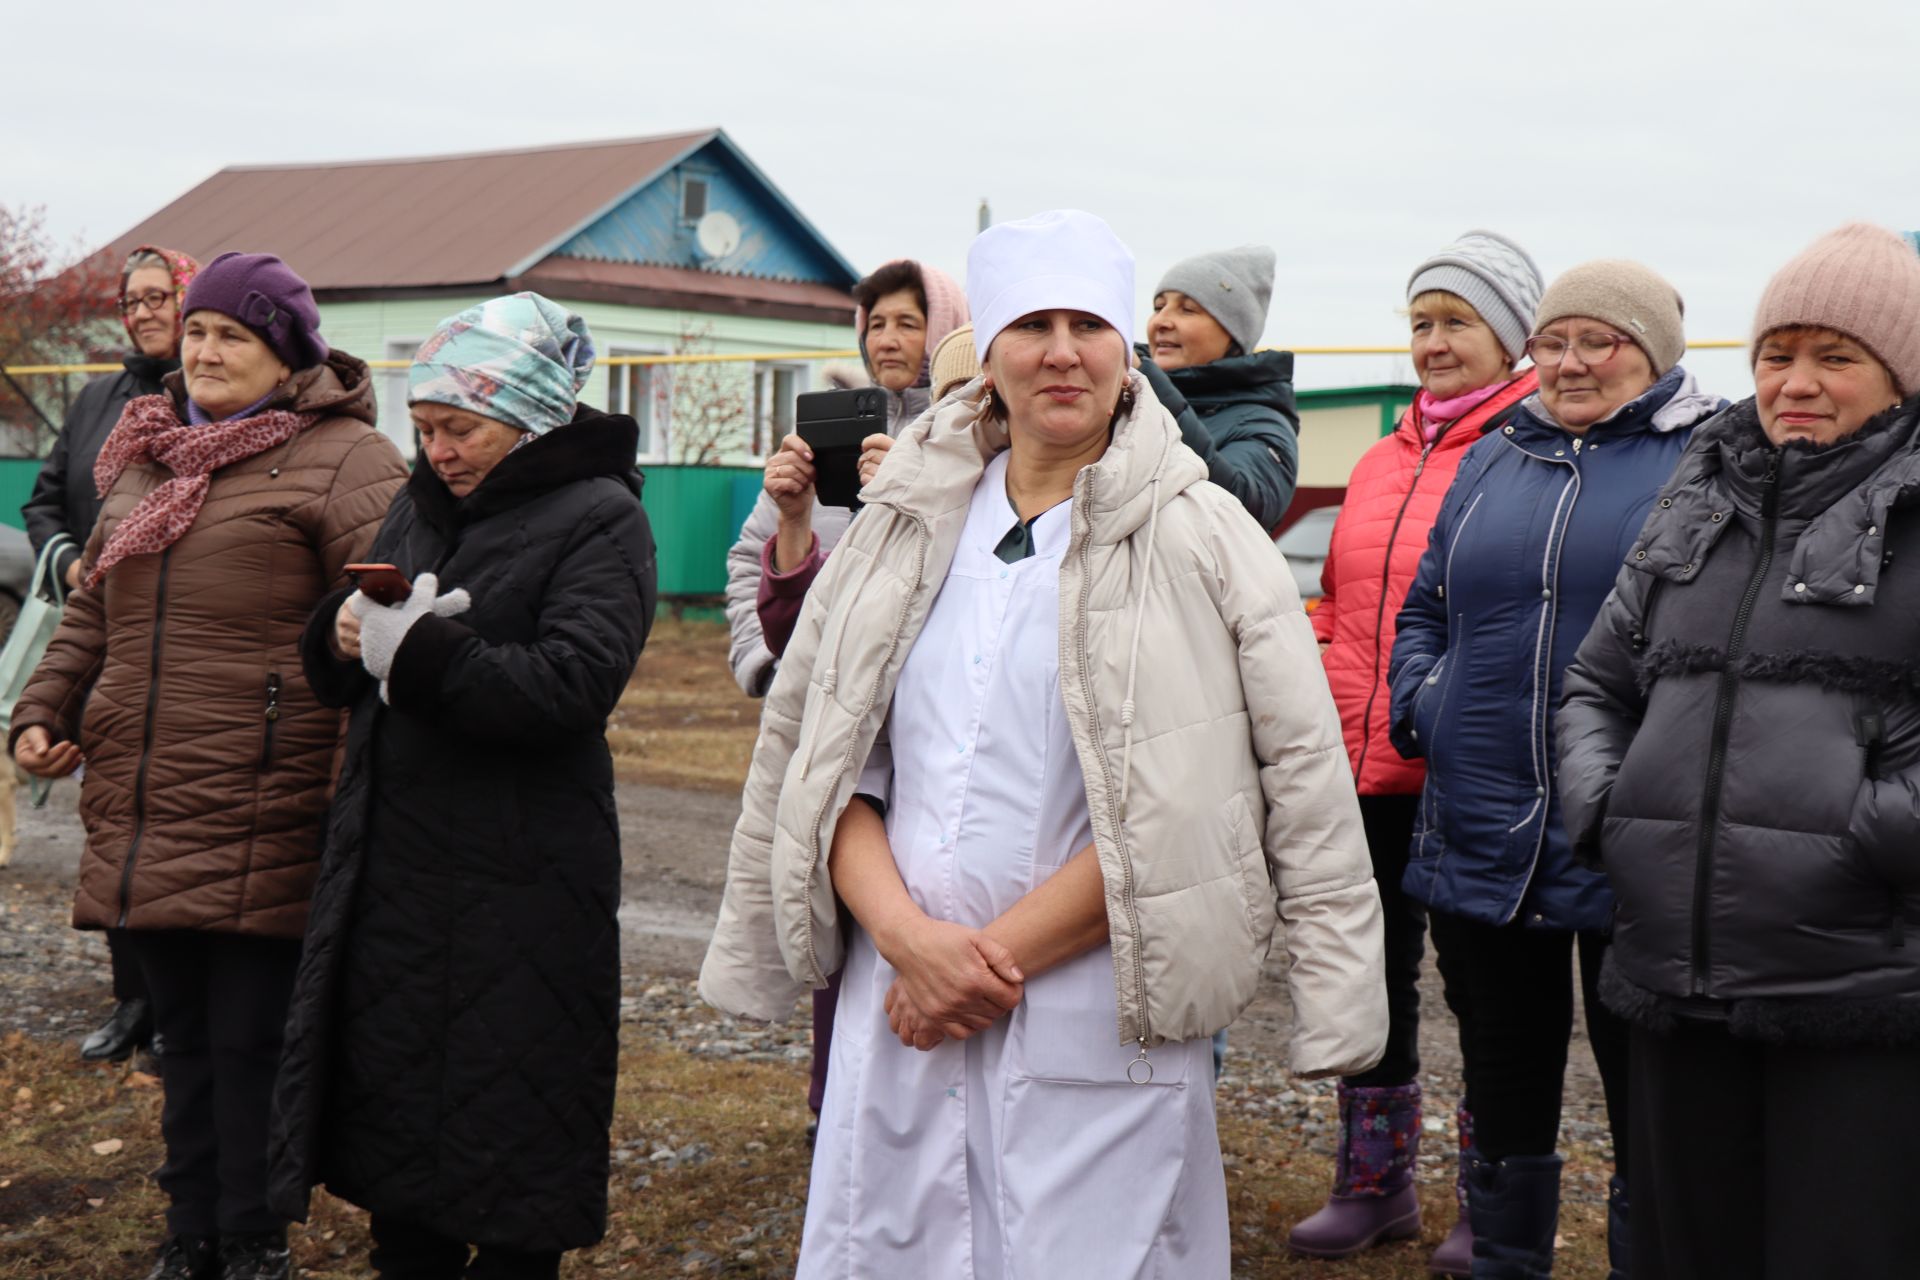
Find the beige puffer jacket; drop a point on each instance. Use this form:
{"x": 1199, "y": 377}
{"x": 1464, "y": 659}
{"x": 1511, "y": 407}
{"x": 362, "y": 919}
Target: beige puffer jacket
{"x": 1215, "y": 772}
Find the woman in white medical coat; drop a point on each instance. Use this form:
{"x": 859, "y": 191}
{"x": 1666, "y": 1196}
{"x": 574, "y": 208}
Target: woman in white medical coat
{"x": 1052, "y": 736}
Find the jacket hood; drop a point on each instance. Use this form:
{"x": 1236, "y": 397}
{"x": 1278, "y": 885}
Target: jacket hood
{"x": 937, "y": 461}
{"x": 339, "y": 387}
{"x": 946, "y": 311}
{"x": 1843, "y": 491}
{"x": 1673, "y": 403}
{"x": 1813, "y": 478}
{"x": 1264, "y": 377}
{"x": 591, "y": 445}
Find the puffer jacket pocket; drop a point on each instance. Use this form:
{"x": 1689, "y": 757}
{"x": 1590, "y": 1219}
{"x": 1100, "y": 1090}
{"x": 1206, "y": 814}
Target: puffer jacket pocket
{"x": 1882, "y": 825}
{"x": 1427, "y": 701}
{"x": 1247, "y": 840}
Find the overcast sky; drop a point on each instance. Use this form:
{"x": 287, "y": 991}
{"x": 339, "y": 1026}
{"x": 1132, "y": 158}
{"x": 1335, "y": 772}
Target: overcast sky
{"x": 1709, "y": 140}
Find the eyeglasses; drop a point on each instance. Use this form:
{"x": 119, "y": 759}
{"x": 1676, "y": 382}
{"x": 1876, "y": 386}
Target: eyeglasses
{"x": 1593, "y": 348}
{"x": 152, "y": 300}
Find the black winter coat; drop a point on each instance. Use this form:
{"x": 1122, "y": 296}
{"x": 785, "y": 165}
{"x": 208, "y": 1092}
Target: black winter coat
{"x": 64, "y": 499}
{"x": 1740, "y": 740}
{"x": 450, "y": 1053}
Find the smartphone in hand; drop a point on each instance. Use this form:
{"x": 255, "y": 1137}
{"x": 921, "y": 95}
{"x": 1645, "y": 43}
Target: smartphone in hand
{"x": 833, "y": 423}
{"x": 381, "y": 583}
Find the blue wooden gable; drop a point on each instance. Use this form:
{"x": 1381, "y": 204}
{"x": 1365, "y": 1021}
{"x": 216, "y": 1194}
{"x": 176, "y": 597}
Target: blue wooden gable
{"x": 649, "y": 226}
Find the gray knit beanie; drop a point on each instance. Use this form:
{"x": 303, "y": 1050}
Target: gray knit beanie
{"x": 1234, "y": 285}
{"x": 1494, "y": 276}
{"x": 1632, "y": 298}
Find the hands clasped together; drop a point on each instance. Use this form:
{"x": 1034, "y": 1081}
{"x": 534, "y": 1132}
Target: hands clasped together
{"x": 953, "y": 982}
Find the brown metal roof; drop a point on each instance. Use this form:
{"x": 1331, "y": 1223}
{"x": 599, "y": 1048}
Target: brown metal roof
{"x": 410, "y": 223}
{"x": 641, "y": 285}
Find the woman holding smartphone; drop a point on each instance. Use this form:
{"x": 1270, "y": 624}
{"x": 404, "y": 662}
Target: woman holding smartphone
{"x": 451, "y": 1050}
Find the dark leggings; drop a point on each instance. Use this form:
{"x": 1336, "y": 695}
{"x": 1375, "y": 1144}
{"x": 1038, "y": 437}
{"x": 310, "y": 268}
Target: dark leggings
{"x": 128, "y": 982}
{"x": 405, "y": 1251}
{"x": 219, "y": 1006}
{"x": 1511, "y": 990}
{"x": 1389, "y": 826}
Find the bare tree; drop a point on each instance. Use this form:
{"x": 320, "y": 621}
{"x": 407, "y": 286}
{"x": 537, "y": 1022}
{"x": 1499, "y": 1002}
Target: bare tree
{"x": 56, "y": 307}
{"x": 711, "y": 403}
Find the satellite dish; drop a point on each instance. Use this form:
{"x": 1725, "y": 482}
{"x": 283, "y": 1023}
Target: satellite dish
{"x": 717, "y": 234}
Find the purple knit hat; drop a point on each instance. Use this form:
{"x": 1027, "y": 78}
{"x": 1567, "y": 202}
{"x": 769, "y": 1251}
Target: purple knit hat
{"x": 264, "y": 294}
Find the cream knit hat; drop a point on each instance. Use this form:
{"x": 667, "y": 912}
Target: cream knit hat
{"x": 1861, "y": 280}
{"x": 954, "y": 361}
{"x": 1634, "y": 299}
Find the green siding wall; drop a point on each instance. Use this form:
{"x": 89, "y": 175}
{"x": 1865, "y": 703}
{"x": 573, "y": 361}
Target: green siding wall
{"x": 16, "y": 486}
{"x": 696, "y": 513}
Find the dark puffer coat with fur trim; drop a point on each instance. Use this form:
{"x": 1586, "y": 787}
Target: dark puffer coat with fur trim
{"x": 1740, "y": 740}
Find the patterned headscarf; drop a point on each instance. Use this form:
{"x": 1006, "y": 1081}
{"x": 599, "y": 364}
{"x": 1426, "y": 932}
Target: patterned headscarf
{"x": 520, "y": 360}
{"x": 183, "y": 269}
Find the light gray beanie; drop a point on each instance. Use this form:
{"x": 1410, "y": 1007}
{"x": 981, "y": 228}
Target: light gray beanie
{"x": 1494, "y": 276}
{"x": 1234, "y": 285}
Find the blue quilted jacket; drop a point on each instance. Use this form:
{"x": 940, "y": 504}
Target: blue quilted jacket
{"x": 1525, "y": 550}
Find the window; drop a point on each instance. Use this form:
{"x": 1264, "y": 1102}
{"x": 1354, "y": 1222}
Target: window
{"x": 395, "y": 422}
{"x": 646, "y": 392}
{"x": 693, "y": 199}
{"x": 774, "y": 389}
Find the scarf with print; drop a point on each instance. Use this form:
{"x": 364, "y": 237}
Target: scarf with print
{"x": 150, "y": 431}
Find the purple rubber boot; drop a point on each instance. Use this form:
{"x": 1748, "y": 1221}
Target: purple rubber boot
{"x": 1454, "y": 1257}
{"x": 1373, "y": 1199}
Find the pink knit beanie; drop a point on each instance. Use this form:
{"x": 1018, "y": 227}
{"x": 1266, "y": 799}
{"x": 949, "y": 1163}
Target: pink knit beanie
{"x": 1863, "y": 281}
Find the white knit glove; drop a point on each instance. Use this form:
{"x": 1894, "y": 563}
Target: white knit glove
{"x": 383, "y": 628}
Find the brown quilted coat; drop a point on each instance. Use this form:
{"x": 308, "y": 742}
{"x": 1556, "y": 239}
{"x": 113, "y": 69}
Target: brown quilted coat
{"x": 209, "y": 760}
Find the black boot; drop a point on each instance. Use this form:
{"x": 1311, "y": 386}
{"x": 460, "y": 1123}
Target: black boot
{"x": 1619, "y": 1241}
{"x": 129, "y": 1027}
{"x": 255, "y": 1256}
{"x": 1516, "y": 1208}
{"x": 187, "y": 1258}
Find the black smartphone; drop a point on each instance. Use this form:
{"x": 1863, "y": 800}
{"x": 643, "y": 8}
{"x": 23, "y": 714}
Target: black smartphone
{"x": 833, "y": 423}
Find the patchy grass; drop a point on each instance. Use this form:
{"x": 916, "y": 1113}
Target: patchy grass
{"x": 683, "y": 722}
{"x": 735, "y": 1210}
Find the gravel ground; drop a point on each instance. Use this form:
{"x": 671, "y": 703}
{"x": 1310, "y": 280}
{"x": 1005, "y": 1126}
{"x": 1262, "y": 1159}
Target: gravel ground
{"x": 56, "y": 981}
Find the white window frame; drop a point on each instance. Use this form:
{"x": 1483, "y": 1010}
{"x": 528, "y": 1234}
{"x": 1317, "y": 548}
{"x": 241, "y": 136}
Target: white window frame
{"x": 656, "y": 425}
{"x": 705, "y": 179}
{"x": 769, "y": 423}
{"x": 396, "y": 422}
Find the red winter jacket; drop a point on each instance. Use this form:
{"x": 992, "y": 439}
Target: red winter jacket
{"x": 1392, "y": 499}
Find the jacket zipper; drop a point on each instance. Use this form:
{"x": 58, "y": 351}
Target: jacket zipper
{"x": 1118, "y": 818}
{"x": 146, "y": 743}
{"x": 1453, "y": 633}
{"x": 272, "y": 717}
{"x": 866, "y": 709}
{"x": 1723, "y": 723}
{"x": 1380, "y": 610}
